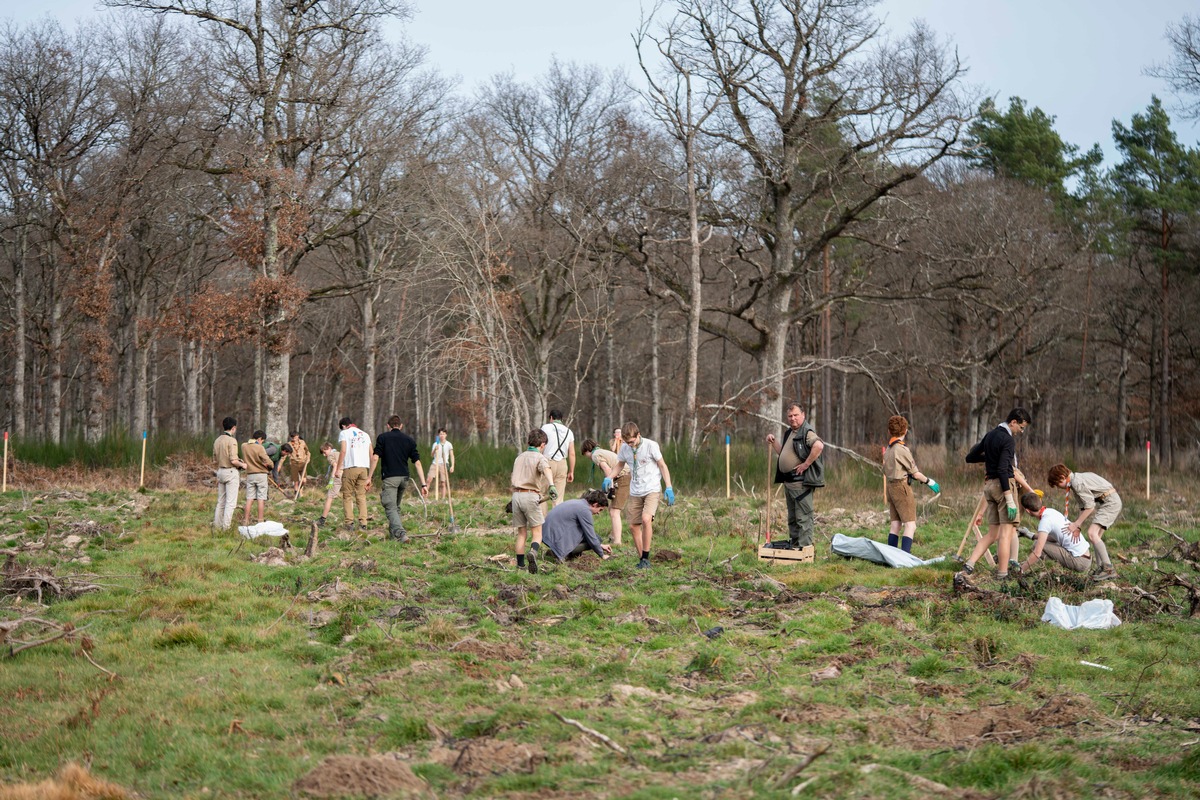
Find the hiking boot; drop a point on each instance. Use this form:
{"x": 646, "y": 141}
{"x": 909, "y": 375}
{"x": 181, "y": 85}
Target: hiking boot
{"x": 1105, "y": 574}
{"x": 1025, "y": 532}
{"x": 968, "y": 568}
{"x": 643, "y": 563}
{"x": 320, "y": 522}
{"x": 531, "y": 561}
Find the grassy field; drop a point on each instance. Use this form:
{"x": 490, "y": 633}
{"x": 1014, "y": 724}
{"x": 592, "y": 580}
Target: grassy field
{"x": 194, "y": 671}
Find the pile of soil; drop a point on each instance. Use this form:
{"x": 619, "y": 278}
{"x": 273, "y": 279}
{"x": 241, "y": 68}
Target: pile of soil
{"x": 487, "y": 756}
{"x": 356, "y": 776}
{"x": 492, "y": 651}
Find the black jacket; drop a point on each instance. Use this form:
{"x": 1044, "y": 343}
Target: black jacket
{"x": 395, "y": 449}
{"x": 997, "y": 452}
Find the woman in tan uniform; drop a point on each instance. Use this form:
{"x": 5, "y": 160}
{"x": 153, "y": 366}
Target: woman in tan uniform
{"x": 613, "y": 468}
{"x": 899, "y": 468}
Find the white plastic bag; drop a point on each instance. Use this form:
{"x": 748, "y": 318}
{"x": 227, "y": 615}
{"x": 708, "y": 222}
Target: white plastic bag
{"x": 268, "y": 528}
{"x": 880, "y": 553}
{"x": 1095, "y": 614}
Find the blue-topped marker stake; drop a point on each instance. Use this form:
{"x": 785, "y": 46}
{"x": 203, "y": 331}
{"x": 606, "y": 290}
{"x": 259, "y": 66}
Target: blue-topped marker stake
{"x": 142, "y": 477}
{"x": 727, "y": 495}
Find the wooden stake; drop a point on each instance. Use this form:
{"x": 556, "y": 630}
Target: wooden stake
{"x": 142, "y": 476}
{"x": 768, "y": 494}
{"x": 5, "y": 487}
{"x": 1147, "y": 468}
{"x": 453, "y": 528}
{"x": 971, "y": 526}
{"x": 727, "y": 467}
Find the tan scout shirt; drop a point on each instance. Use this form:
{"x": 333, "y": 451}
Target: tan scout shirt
{"x": 528, "y": 470}
{"x": 300, "y": 454}
{"x": 256, "y": 458}
{"x": 1086, "y": 489}
{"x": 898, "y": 462}
{"x": 608, "y": 458}
{"x": 225, "y": 450}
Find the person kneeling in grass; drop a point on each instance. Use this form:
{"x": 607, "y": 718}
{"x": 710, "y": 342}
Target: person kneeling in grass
{"x": 1054, "y": 539}
{"x": 1096, "y": 498}
{"x": 568, "y": 530}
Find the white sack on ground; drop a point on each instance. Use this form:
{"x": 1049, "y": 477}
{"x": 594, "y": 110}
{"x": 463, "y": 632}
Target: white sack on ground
{"x": 262, "y": 529}
{"x": 1097, "y": 614}
{"x": 861, "y": 547}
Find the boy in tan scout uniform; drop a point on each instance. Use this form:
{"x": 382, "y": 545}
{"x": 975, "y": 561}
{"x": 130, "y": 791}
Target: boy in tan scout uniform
{"x": 258, "y": 467}
{"x": 531, "y": 475}
{"x": 618, "y": 471}
{"x": 1096, "y": 498}
{"x": 899, "y": 468}
{"x": 332, "y": 477}
{"x": 298, "y": 462}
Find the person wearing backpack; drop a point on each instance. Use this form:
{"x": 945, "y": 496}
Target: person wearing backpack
{"x": 800, "y": 471}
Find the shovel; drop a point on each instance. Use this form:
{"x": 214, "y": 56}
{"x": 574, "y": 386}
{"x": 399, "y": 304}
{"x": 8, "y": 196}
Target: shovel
{"x": 453, "y": 528}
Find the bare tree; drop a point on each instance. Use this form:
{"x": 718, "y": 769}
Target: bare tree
{"x": 828, "y": 117}
{"x": 1182, "y": 71}
{"x": 289, "y": 69}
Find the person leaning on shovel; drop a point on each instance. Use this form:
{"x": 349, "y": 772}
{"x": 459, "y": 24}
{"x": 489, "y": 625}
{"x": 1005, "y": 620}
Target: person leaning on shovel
{"x": 800, "y": 471}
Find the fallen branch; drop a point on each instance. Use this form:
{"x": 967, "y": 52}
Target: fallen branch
{"x": 112, "y": 676}
{"x": 916, "y": 780}
{"x": 606, "y": 741}
{"x": 791, "y": 774}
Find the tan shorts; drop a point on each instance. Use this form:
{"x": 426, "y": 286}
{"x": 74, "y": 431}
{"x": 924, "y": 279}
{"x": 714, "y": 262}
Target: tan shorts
{"x": 527, "y": 510}
{"x": 1107, "y": 511}
{"x": 256, "y": 486}
{"x": 296, "y": 471}
{"x": 621, "y": 484}
{"x": 902, "y": 506}
{"x": 335, "y": 488}
{"x": 638, "y": 508}
{"x": 997, "y": 508}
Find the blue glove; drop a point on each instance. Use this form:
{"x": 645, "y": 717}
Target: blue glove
{"x": 670, "y": 495}
{"x": 606, "y": 484}
{"x": 934, "y": 487}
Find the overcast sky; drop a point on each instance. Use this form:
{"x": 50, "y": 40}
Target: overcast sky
{"x": 1082, "y": 61}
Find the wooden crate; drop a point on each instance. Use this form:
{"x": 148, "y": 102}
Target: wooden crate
{"x": 804, "y": 555}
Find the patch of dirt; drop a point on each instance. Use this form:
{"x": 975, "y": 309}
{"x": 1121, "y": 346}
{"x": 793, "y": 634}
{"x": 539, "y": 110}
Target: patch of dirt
{"x": 356, "y": 776}
{"x": 73, "y": 783}
{"x": 492, "y": 651}
{"x": 1003, "y": 724}
{"x": 639, "y": 614}
{"x": 378, "y": 591}
{"x": 271, "y": 557}
{"x": 665, "y": 556}
{"x": 588, "y": 562}
{"x": 487, "y": 756}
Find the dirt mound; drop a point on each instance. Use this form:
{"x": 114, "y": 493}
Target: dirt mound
{"x": 480, "y": 757}
{"x": 1003, "y": 724}
{"x": 73, "y": 783}
{"x": 665, "y": 556}
{"x": 271, "y": 557}
{"x": 498, "y": 651}
{"x": 355, "y": 776}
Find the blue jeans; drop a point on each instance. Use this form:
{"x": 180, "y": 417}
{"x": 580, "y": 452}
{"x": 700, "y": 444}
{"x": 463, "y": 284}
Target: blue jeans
{"x": 392, "y": 494}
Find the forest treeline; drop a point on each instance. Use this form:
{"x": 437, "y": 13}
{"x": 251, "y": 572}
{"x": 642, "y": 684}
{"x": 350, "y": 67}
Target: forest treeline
{"x": 268, "y": 210}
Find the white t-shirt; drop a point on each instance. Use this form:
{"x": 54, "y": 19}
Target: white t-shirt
{"x": 647, "y": 477}
{"x": 358, "y": 449}
{"x": 1055, "y": 525}
{"x": 441, "y": 451}
{"x": 559, "y": 440}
